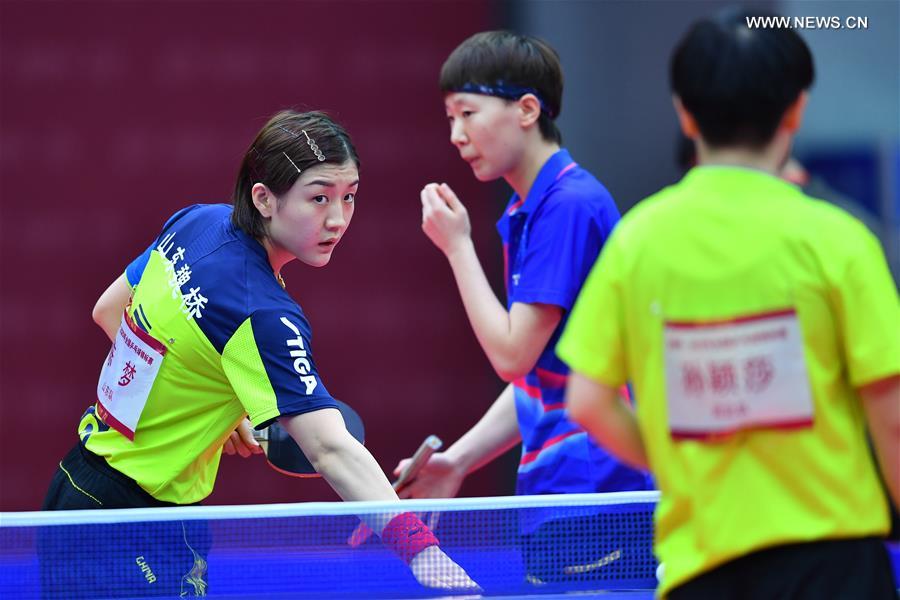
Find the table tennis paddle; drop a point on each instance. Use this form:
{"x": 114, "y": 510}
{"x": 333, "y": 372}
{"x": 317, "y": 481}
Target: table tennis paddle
{"x": 285, "y": 456}
{"x": 431, "y": 445}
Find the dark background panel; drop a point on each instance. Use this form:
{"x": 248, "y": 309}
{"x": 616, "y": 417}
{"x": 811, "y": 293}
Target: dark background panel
{"x": 114, "y": 115}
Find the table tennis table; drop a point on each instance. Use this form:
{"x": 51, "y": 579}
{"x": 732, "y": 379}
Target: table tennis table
{"x": 301, "y": 550}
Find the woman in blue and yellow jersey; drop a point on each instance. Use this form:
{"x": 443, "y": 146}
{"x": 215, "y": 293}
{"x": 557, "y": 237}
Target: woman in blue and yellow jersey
{"x": 759, "y": 327}
{"x": 205, "y": 342}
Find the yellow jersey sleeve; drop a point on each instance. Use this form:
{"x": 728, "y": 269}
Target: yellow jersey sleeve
{"x": 868, "y": 311}
{"x": 593, "y": 342}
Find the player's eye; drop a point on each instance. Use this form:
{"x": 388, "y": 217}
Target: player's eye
{"x": 349, "y": 198}
{"x": 467, "y": 113}
{"x": 320, "y": 199}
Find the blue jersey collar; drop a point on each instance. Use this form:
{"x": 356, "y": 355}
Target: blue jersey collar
{"x": 248, "y": 241}
{"x": 549, "y": 173}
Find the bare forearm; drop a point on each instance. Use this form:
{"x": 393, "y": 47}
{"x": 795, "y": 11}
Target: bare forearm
{"x": 495, "y": 433}
{"x": 353, "y": 474}
{"x": 512, "y": 339}
{"x": 881, "y": 401}
{"x": 604, "y": 415}
{"x": 488, "y": 317}
{"x": 618, "y": 431}
{"x": 352, "y": 471}
{"x": 343, "y": 462}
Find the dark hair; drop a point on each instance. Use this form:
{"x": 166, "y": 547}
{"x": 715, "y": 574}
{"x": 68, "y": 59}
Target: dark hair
{"x": 281, "y": 148}
{"x": 490, "y": 57}
{"x": 738, "y": 81}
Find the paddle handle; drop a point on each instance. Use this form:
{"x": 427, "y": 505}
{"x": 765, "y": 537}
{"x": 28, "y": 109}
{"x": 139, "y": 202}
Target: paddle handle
{"x": 431, "y": 445}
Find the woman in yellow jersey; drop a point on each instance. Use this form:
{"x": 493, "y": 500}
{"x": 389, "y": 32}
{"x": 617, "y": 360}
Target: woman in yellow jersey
{"x": 758, "y": 326}
{"x": 209, "y": 338}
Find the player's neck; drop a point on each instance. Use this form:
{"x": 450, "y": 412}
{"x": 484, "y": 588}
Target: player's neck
{"x": 769, "y": 159}
{"x": 522, "y": 177}
{"x": 278, "y": 256}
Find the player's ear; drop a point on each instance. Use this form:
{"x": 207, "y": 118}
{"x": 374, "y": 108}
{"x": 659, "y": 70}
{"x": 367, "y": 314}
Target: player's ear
{"x": 688, "y": 124}
{"x": 529, "y": 110}
{"x": 263, "y": 199}
{"x": 794, "y": 113}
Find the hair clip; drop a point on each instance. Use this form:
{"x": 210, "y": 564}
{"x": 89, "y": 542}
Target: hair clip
{"x": 292, "y": 162}
{"x": 255, "y": 163}
{"x": 313, "y": 146}
{"x": 287, "y": 131}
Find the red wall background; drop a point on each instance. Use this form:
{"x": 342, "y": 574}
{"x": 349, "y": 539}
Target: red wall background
{"x": 114, "y": 115}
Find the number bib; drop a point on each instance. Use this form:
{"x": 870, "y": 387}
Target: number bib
{"x": 127, "y": 376}
{"x": 723, "y": 377}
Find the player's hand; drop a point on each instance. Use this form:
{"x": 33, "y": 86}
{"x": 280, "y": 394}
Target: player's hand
{"x": 439, "y": 478}
{"x": 434, "y": 569}
{"x": 444, "y": 218}
{"x": 241, "y": 441}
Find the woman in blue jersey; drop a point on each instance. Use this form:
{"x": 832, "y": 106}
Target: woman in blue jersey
{"x": 207, "y": 343}
{"x": 502, "y": 94}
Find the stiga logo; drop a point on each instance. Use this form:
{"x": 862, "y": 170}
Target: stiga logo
{"x": 145, "y": 569}
{"x": 298, "y": 352}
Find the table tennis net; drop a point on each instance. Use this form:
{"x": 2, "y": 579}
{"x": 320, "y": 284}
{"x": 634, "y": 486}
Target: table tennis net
{"x": 518, "y": 545}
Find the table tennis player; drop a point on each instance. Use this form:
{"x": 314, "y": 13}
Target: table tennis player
{"x": 502, "y": 95}
{"x": 203, "y": 335}
{"x": 760, "y": 329}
